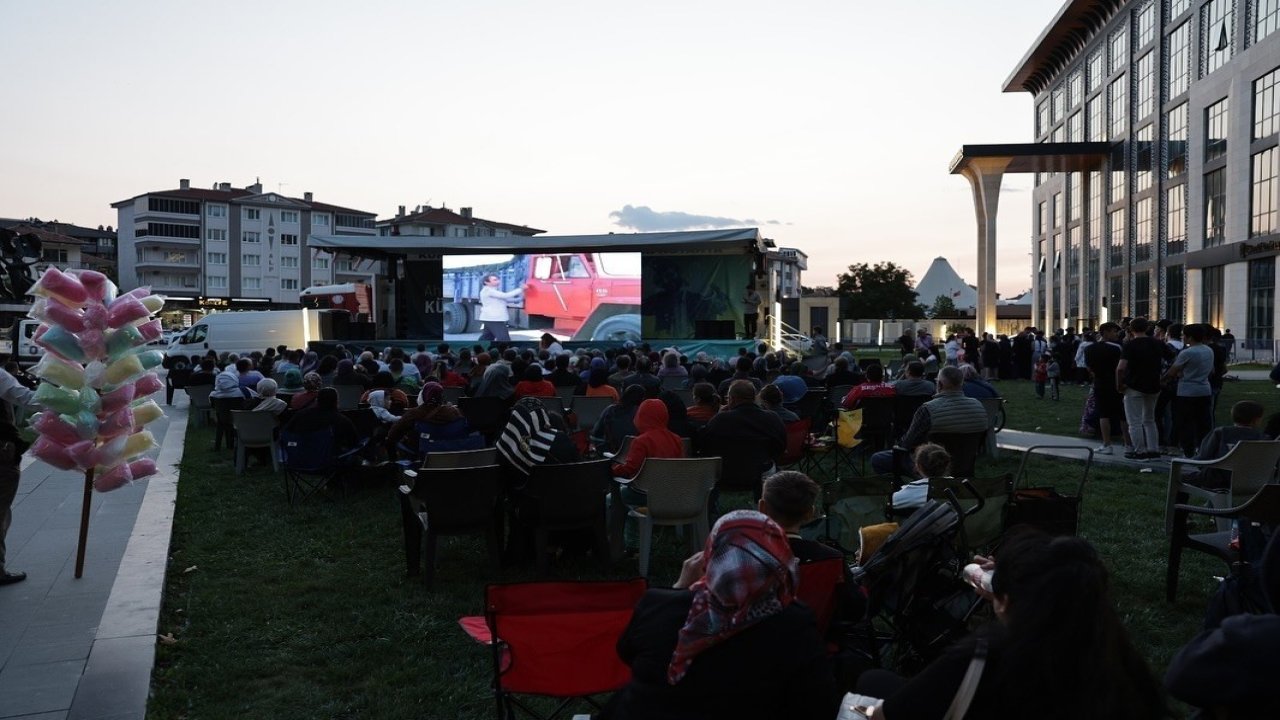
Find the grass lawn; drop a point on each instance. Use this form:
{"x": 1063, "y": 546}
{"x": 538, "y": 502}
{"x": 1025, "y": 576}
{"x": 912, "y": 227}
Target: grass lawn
{"x": 1023, "y": 411}
{"x": 307, "y": 612}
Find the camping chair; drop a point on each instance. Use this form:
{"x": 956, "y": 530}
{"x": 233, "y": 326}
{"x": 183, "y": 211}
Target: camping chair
{"x": 810, "y": 406}
{"x": 555, "y": 639}
{"x": 369, "y": 428}
{"x": 1260, "y": 511}
{"x": 223, "y": 430}
{"x": 963, "y": 449}
{"x": 797, "y": 436}
{"x": 589, "y": 410}
{"x": 677, "y": 490}
{"x": 449, "y": 501}
{"x": 200, "y": 407}
{"x": 819, "y": 582}
{"x": 995, "y": 423}
{"x": 566, "y": 497}
{"x": 877, "y": 422}
{"x": 311, "y": 462}
{"x": 462, "y": 458}
{"x": 1252, "y": 465}
{"x": 175, "y": 380}
{"x": 254, "y": 430}
{"x": 349, "y": 396}
{"x": 486, "y": 415}
{"x": 904, "y": 410}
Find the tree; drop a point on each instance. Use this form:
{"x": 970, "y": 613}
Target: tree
{"x": 943, "y": 307}
{"x": 882, "y": 290}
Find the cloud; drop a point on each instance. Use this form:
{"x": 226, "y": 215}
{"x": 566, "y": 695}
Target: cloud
{"x": 1012, "y": 189}
{"x": 645, "y": 219}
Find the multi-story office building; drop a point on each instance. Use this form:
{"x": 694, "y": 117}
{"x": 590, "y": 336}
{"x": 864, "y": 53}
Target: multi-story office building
{"x": 784, "y": 267}
{"x": 1181, "y": 220}
{"x": 234, "y": 247}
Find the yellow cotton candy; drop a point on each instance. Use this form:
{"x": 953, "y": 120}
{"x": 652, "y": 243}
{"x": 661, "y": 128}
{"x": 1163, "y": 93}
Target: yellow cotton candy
{"x": 154, "y": 303}
{"x": 139, "y": 443}
{"x": 123, "y": 369}
{"x": 144, "y": 413}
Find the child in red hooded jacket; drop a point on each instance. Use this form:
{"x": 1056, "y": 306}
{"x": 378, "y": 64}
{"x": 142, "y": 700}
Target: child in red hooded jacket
{"x": 654, "y": 441}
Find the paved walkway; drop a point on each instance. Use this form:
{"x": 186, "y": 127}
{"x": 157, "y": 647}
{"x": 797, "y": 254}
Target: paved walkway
{"x": 79, "y": 649}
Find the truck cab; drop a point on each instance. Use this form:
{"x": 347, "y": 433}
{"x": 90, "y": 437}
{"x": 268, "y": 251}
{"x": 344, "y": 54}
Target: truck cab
{"x": 588, "y": 295}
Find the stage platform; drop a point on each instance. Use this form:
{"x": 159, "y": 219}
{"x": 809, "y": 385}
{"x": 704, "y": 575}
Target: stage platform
{"x": 690, "y": 348}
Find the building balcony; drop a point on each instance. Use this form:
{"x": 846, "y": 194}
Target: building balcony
{"x": 167, "y": 263}
{"x": 145, "y": 241}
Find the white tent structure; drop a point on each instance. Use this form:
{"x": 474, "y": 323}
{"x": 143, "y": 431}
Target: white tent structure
{"x": 942, "y": 280}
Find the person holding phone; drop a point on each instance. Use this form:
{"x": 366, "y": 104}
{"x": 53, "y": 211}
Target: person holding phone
{"x": 493, "y": 308}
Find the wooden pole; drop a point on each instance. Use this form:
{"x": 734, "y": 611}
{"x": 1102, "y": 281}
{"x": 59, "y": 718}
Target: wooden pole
{"x": 84, "y": 522}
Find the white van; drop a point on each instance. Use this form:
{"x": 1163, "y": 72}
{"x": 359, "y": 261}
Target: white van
{"x": 244, "y": 332}
{"x": 22, "y": 343}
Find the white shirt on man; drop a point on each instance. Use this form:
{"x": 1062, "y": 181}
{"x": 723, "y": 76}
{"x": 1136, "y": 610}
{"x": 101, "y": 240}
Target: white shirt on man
{"x": 493, "y": 303}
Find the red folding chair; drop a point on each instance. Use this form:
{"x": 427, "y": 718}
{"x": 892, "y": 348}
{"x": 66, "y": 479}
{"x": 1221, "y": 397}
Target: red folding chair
{"x": 797, "y": 434}
{"x": 819, "y": 581}
{"x": 555, "y": 639}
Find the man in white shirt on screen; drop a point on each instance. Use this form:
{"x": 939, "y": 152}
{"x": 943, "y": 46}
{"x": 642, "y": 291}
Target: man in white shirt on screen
{"x": 493, "y": 308}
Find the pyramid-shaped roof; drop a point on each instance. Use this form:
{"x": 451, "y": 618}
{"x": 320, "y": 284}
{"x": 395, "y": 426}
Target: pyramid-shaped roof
{"x": 942, "y": 279}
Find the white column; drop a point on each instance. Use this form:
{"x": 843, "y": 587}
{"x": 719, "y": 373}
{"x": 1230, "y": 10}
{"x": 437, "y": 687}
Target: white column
{"x": 984, "y": 176}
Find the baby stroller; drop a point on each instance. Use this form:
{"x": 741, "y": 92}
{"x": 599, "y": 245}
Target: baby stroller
{"x": 917, "y": 602}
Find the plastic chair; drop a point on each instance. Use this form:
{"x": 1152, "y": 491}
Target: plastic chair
{"x": 566, "y": 497}
{"x": 175, "y": 380}
{"x": 449, "y": 501}
{"x": 349, "y": 396}
{"x": 1253, "y": 467}
{"x": 819, "y": 582}
{"x": 589, "y": 410}
{"x": 201, "y": 407}
{"x": 254, "y": 430}
{"x": 223, "y": 430}
{"x": 462, "y": 458}
{"x": 486, "y": 415}
{"x": 566, "y": 396}
{"x": 677, "y": 490}
{"x": 556, "y": 639}
{"x": 1263, "y": 508}
{"x": 554, "y": 405}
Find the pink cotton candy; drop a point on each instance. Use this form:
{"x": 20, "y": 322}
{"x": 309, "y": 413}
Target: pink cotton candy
{"x": 53, "y": 453}
{"x": 151, "y": 331}
{"x": 94, "y": 282}
{"x": 95, "y": 316}
{"x": 49, "y": 425}
{"x": 120, "y": 397}
{"x": 53, "y": 312}
{"x": 136, "y": 293}
{"x": 126, "y": 310}
{"x": 117, "y": 423}
{"x": 84, "y": 454}
{"x": 39, "y": 333}
{"x": 147, "y": 384}
{"x": 123, "y": 474}
{"x": 94, "y": 343}
{"x": 55, "y": 283}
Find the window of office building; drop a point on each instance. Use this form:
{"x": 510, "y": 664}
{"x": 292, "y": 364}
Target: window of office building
{"x": 1262, "y": 198}
{"x": 252, "y": 214}
{"x": 1146, "y": 24}
{"x": 1057, "y": 258}
{"x": 1145, "y": 159}
{"x": 319, "y": 220}
{"x": 169, "y": 205}
{"x": 1175, "y": 301}
{"x": 1176, "y": 219}
{"x": 1262, "y": 303}
{"x": 289, "y": 216}
{"x": 250, "y": 236}
{"x": 1177, "y": 7}
{"x": 1042, "y": 218}
{"x": 1119, "y": 180}
{"x": 1115, "y": 297}
{"x": 1097, "y": 125}
{"x": 1056, "y": 218}
{"x": 214, "y": 210}
{"x": 1146, "y": 89}
{"x": 1073, "y": 300}
{"x": 250, "y": 260}
{"x": 216, "y": 282}
{"x": 1144, "y": 229}
{"x": 1215, "y": 130}
{"x": 1075, "y": 131}
{"x": 288, "y": 239}
{"x": 288, "y": 283}
{"x": 1176, "y": 148}
{"x": 250, "y": 283}
{"x": 1266, "y": 104}
{"x": 1059, "y": 135}
{"x": 216, "y": 258}
{"x": 1142, "y": 294}
{"x": 1075, "y": 89}
{"x": 1211, "y": 295}
{"x": 1115, "y": 256}
{"x": 1215, "y": 207}
{"x": 288, "y": 261}
{"x": 1097, "y": 70}
{"x": 1042, "y": 119}
{"x": 1059, "y": 103}
{"x": 1266, "y": 18}
{"x": 1119, "y": 49}
{"x": 1179, "y": 48}
{"x": 215, "y": 234}
{"x": 1118, "y": 99}
{"x": 1073, "y": 252}
{"x": 1218, "y": 20}
{"x": 1073, "y": 203}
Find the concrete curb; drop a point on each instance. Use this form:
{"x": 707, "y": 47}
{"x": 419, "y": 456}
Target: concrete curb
{"x": 116, "y": 683}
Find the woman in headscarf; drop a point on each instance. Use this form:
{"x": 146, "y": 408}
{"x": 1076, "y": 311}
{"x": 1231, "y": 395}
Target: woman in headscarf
{"x": 534, "y": 384}
{"x": 728, "y": 640}
{"x": 596, "y": 362}
{"x": 496, "y": 382}
{"x": 323, "y": 414}
{"x": 532, "y": 437}
{"x": 436, "y": 423}
{"x": 598, "y": 384}
{"x": 292, "y": 382}
{"x": 423, "y": 362}
{"x": 705, "y": 403}
{"x": 327, "y": 369}
{"x": 697, "y": 374}
{"x": 310, "y": 362}
{"x": 618, "y": 421}
{"x": 311, "y": 385}
{"x": 347, "y": 375}
{"x": 483, "y": 360}
{"x": 394, "y": 397}
{"x": 671, "y": 366}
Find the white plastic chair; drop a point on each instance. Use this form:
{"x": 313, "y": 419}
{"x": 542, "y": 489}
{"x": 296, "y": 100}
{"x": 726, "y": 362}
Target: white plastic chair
{"x": 201, "y": 406}
{"x": 1252, "y": 464}
{"x": 254, "y": 430}
{"x": 677, "y": 491}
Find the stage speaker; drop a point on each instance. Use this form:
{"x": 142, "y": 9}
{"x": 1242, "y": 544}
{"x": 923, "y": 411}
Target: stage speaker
{"x": 716, "y": 329}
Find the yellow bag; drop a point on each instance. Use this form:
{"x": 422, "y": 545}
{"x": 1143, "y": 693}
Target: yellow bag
{"x": 847, "y": 427}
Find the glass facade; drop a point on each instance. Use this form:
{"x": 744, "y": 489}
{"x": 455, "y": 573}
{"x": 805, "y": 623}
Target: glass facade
{"x": 1118, "y": 100}
{"x": 1119, "y": 46}
{"x": 1215, "y": 207}
{"x": 1176, "y": 219}
{"x": 1146, "y": 90}
{"x": 1119, "y": 229}
{"x": 1179, "y": 49}
{"x": 1211, "y": 295}
{"x": 1266, "y": 17}
{"x": 1144, "y": 230}
{"x": 1147, "y": 24}
{"x": 1097, "y": 124}
{"x": 1262, "y": 303}
{"x": 1176, "y": 127}
{"x": 1262, "y": 198}
{"x": 1215, "y": 130}
{"x": 1142, "y": 294}
{"x": 1145, "y": 142}
{"x": 1175, "y": 284}
{"x": 1218, "y": 21}
{"x": 1266, "y": 105}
